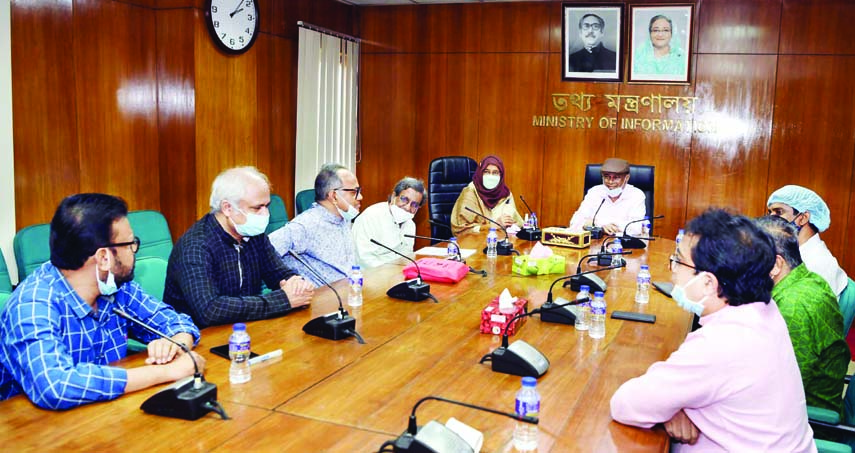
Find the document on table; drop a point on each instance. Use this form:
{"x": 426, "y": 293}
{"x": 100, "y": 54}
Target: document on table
{"x": 442, "y": 251}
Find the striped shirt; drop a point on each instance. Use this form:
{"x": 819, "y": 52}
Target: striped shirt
{"x": 55, "y": 348}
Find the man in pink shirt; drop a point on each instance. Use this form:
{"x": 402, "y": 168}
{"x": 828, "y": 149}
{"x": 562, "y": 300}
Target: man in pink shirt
{"x": 615, "y": 202}
{"x": 734, "y": 384}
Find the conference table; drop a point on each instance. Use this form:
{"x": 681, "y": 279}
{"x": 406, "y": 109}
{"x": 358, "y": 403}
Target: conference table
{"x": 342, "y": 396}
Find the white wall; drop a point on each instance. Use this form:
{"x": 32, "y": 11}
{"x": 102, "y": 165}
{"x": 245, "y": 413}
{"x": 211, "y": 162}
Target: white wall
{"x": 7, "y": 161}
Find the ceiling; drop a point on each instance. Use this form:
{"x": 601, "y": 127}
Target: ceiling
{"x": 420, "y": 2}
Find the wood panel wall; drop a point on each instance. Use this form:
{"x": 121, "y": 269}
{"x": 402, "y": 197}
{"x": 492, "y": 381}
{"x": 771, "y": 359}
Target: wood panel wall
{"x": 467, "y": 79}
{"x": 132, "y": 98}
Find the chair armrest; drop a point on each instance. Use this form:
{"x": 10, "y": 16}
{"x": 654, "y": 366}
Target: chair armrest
{"x": 823, "y": 415}
{"x": 825, "y": 446}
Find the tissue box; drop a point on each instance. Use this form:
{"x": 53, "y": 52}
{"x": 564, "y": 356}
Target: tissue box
{"x": 493, "y": 321}
{"x": 563, "y": 237}
{"x": 526, "y": 265}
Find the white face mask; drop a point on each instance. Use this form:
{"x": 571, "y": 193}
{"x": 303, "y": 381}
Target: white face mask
{"x": 679, "y": 295}
{"x": 400, "y": 215}
{"x": 255, "y": 224}
{"x": 615, "y": 192}
{"x": 108, "y": 287}
{"x": 491, "y": 181}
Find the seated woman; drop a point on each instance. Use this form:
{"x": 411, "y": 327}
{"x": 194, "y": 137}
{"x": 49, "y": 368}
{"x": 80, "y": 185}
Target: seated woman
{"x": 487, "y": 195}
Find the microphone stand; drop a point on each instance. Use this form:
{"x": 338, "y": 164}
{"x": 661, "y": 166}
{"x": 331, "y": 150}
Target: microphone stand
{"x": 596, "y": 232}
{"x": 414, "y": 290}
{"x": 458, "y": 256}
{"x": 333, "y": 326}
{"x": 554, "y": 313}
{"x": 503, "y": 247}
{"x": 530, "y": 234}
{"x": 435, "y": 437}
{"x": 637, "y": 242}
{"x": 596, "y": 283}
{"x": 187, "y": 399}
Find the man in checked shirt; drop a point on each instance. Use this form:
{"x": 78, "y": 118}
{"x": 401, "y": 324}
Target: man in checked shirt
{"x": 58, "y": 332}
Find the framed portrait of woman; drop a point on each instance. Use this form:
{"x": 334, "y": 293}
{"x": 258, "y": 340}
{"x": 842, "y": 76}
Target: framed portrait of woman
{"x": 591, "y": 36}
{"x": 660, "y": 43}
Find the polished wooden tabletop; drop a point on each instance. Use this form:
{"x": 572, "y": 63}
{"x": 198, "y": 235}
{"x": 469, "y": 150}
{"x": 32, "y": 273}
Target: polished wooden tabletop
{"x": 342, "y": 396}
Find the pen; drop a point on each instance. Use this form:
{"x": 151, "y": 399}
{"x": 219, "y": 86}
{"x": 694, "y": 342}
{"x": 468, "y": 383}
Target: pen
{"x": 265, "y": 357}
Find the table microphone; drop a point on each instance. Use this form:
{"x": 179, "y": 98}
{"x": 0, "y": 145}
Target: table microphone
{"x": 457, "y": 255}
{"x": 585, "y": 278}
{"x": 188, "y": 398}
{"x": 635, "y": 242}
{"x": 332, "y": 326}
{"x": 503, "y": 247}
{"x": 530, "y": 234}
{"x": 596, "y": 232}
{"x": 604, "y": 258}
{"x": 435, "y": 437}
{"x": 414, "y": 290}
{"x": 521, "y": 358}
{"x": 560, "y": 314}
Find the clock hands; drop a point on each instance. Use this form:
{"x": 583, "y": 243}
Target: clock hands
{"x": 237, "y": 9}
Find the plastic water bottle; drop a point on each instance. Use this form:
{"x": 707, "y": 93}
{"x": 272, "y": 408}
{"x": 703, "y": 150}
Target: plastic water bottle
{"x": 598, "y": 316}
{"x": 642, "y": 285}
{"x": 617, "y": 247}
{"x": 492, "y": 240}
{"x": 645, "y": 227}
{"x": 354, "y": 297}
{"x": 239, "y": 348}
{"x": 583, "y": 320}
{"x": 534, "y": 220}
{"x": 527, "y": 222}
{"x": 451, "y": 250}
{"x": 679, "y": 238}
{"x": 528, "y": 403}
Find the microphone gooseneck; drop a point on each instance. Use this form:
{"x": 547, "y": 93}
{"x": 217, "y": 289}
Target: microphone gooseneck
{"x": 413, "y": 290}
{"x": 197, "y": 375}
{"x": 504, "y": 247}
{"x": 526, "y": 205}
{"x": 418, "y": 271}
{"x": 594, "y": 218}
{"x": 322, "y": 279}
{"x": 625, "y": 228}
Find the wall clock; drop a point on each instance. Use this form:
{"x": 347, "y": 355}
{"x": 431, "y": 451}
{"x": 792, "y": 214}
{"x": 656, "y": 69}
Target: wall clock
{"x": 233, "y": 24}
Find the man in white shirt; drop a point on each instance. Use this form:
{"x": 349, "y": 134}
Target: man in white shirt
{"x": 387, "y": 222}
{"x": 808, "y": 212}
{"x": 615, "y": 202}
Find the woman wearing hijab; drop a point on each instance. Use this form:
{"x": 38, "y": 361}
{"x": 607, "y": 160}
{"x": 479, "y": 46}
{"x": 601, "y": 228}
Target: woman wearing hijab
{"x": 487, "y": 195}
{"x": 660, "y": 55}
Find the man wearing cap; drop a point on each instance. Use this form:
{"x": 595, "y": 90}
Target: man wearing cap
{"x": 615, "y": 202}
{"x": 810, "y": 215}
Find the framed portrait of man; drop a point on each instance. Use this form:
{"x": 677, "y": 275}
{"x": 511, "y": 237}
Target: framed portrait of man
{"x": 660, "y": 43}
{"x": 591, "y": 37}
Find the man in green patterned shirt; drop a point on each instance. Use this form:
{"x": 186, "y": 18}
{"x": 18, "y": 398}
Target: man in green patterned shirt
{"x": 813, "y": 318}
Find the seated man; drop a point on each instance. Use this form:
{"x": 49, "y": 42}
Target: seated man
{"x": 59, "y": 332}
{"x": 387, "y": 222}
{"x": 321, "y": 234}
{"x": 804, "y": 208}
{"x": 216, "y": 268}
{"x": 813, "y": 318}
{"x": 615, "y": 202}
{"x": 734, "y": 384}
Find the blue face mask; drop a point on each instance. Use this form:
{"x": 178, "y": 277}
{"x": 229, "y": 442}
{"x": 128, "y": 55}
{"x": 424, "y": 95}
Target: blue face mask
{"x": 679, "y": 295}
{"x": 793, "y": 222}
{"x": 255, "y": 224}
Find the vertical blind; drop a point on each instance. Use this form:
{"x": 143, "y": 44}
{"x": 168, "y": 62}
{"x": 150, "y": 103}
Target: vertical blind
{"x": 327, "y": 96}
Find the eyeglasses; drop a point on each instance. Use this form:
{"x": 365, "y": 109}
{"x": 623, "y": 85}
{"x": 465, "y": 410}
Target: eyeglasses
{"x": 407, "y": 202}
{"x": 594, "y": 26}
{"x": 673, "y": 260}
{"x": 356, "y": 191}
{"x": 135, "y": 244}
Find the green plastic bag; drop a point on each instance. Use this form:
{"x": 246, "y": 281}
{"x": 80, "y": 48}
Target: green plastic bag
{"x": 525, "y": 265}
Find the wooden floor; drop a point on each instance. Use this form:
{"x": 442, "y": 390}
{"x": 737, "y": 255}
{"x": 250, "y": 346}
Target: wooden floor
{"x": 346, "y": 397}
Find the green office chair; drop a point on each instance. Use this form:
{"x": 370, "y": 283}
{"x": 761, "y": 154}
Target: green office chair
{"x": 5, "y": 281}
{"x": 150, "y": 273}
{"x": 278, "y": 214}
{"x": 847, "y": 306}
{"x": 153, "y": 231}
{"x": 3, "y": 298}
{"x": 32, "y": 248}
{"x": 828, "y": 423}
{"x": 305, "y": 198}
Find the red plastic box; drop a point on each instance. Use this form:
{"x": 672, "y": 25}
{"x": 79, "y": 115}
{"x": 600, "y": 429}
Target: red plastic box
{"x": 493, "y": 321}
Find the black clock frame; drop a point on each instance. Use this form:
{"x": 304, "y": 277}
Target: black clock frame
{"x": 209, "y": 21}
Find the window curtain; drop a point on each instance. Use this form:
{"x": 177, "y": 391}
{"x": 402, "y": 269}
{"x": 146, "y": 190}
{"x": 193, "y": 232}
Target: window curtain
{"x": 327, "y": 96}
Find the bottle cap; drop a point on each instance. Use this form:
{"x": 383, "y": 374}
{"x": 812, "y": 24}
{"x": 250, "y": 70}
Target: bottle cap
{"x": 585, "y": 288}
{"x": 453, "y": 239}
{"x": 354, "y": 267}
{"x": 239, "y": 326}
{"x": 681, "y": 231}
{"x": 529, "y": 381}
{"x": 645, "y": 267}
{"x": 598, "y": 294}
{"x": 492, "y": 229}
{"x": 617, "y": 242}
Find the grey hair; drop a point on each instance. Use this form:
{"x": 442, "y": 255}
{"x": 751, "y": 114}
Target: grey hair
{"x": 327, "y": 180}
{"x": 230, "y": 185}
{"x": 410, "y": 183}
{"x": 785, "y": 236}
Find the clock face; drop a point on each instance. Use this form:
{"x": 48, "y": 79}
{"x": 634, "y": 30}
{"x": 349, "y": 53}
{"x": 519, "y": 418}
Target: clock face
{"x": 233, "y": 24}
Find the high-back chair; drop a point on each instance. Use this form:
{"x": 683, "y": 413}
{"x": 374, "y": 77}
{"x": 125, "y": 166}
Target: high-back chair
{"x": 447, "y": 177}
{"x": 32, "y": 248}
{"x": 304, "y": 200}
{"x": 640, "y": 176}
{"x": 278, "y": 214}
{"x": 153, "y": 231}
